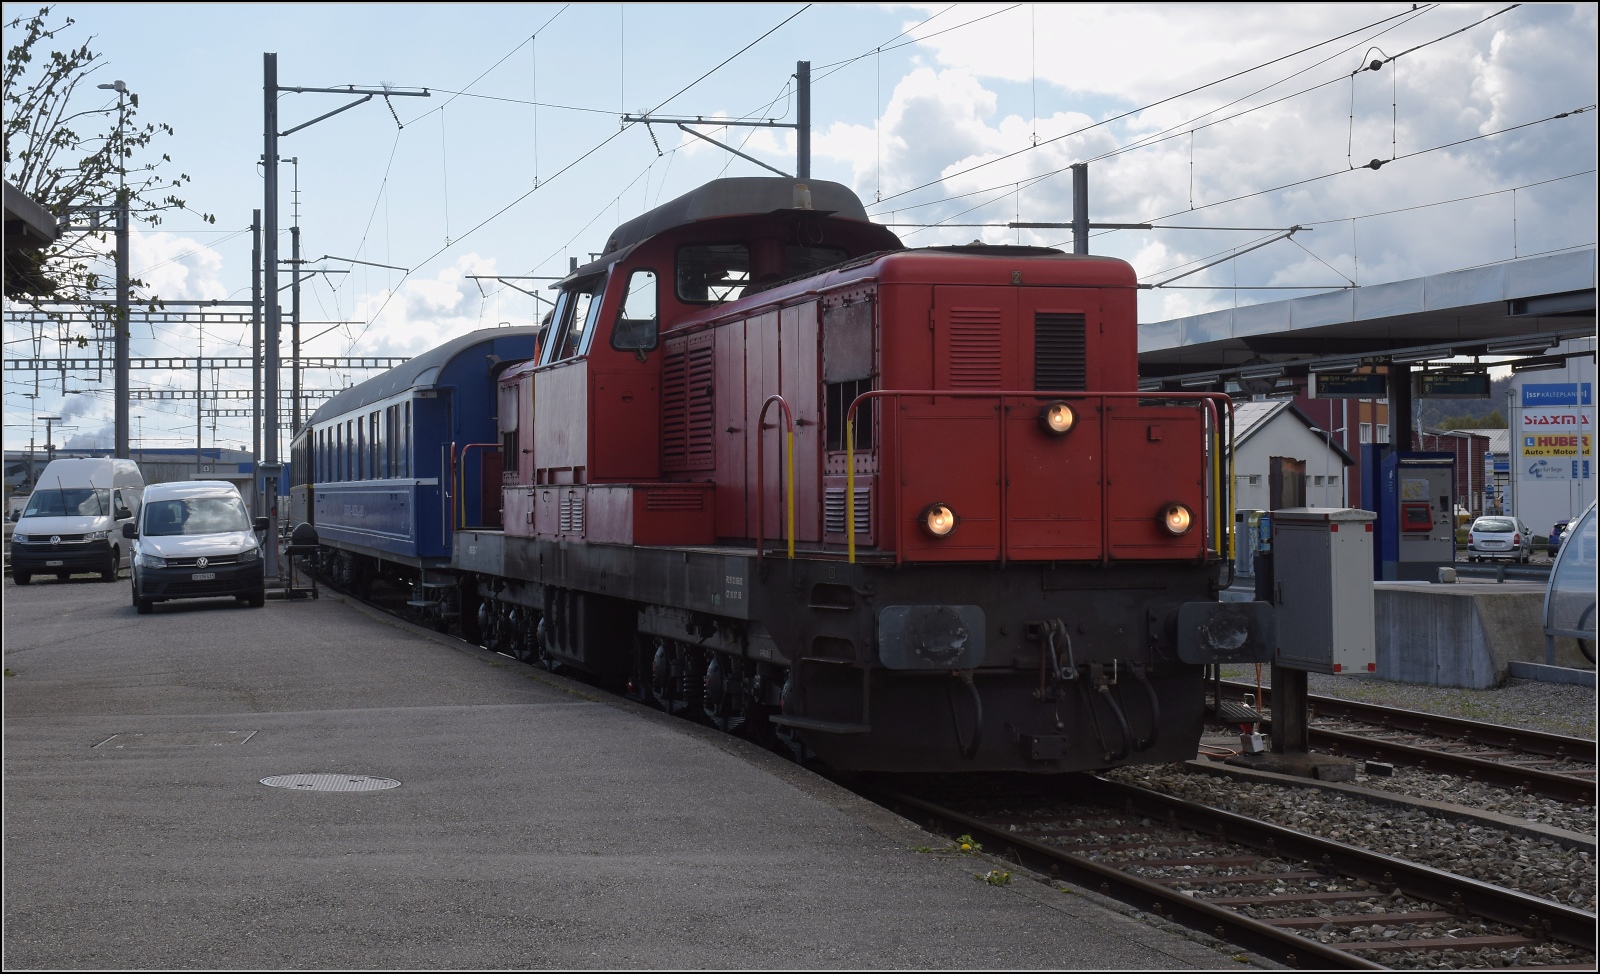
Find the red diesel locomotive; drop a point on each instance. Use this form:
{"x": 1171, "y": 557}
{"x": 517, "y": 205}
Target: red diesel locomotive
{"x": 901, "y": 508}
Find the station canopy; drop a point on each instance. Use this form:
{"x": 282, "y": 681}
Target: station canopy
{"x": 1520, "y": 307}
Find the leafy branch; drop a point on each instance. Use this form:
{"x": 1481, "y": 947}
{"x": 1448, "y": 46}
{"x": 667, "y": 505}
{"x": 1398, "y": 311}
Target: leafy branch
{"x": 71, "y": 157}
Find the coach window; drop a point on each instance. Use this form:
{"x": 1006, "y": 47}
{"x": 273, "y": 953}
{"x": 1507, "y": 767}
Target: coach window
{"x": 636, "y": 319}
{"x": 374, "y": 466}
{"x": 405, "y": 439}
{"x": 575, "y": 317}
{"x": 712, "y": 273}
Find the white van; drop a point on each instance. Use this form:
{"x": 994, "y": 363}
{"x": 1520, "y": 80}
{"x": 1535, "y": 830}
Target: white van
{"x": 73, "y": 520}
{"x": 195, "y": 540}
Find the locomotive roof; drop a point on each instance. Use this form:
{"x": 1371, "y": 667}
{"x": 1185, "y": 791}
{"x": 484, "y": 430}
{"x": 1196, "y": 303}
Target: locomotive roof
{"x": 734, "y": 196}
{"x": 740, "y": 196}
{"x": 420, "y": 372}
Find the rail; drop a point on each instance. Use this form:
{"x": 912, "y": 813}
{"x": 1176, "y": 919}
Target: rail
{"x": 1220, "y": 504}
{"x": 761, "y": 472}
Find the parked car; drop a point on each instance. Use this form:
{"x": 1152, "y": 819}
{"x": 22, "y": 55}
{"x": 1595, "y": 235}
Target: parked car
{"x": 1558, "y": 534}
{"x": 195, "y": 540}
{"x": 73, "y": 519}
{"x": 1499, "y": 536}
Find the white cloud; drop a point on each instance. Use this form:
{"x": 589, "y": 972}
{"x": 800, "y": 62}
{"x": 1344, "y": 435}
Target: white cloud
{"x": 1526, "y": 65}
{"x": 425, "y": 312}
{"x": 176, "y": 267}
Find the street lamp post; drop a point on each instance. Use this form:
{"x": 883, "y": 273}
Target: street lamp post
{"x": 120, "y": 326}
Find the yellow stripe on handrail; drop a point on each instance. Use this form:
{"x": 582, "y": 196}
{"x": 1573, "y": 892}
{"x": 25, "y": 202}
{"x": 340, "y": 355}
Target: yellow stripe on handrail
{"x": 850, "y": 487}
{"x": 789, "y": 460}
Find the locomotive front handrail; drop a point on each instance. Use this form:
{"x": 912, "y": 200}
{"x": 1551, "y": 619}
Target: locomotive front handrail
{"x": 1222, "y": 495}
{"x": 459, "y": 477}
{"x": 761, "y": 471}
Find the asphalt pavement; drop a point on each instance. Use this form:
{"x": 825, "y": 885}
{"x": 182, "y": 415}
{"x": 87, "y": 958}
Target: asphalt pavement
{"x": 536, "y": 823}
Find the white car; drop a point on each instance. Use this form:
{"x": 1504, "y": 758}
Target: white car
{"x": 1499, "y": 536}
{"x": 195, "y": 540}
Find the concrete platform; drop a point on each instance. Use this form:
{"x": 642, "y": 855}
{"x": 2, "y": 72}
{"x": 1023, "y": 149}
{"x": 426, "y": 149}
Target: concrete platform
{"x": 537, "y": 825}
{"x": 1465, "y": 634}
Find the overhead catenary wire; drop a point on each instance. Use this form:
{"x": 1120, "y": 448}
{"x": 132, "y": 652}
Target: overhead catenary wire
{"x": 1190, "y": 127}
{"x": 568, "y": 167}
{"x": 1135, "y": 111}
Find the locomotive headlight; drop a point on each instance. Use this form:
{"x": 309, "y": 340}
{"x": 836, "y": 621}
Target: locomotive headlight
{"x": 1057, "y": 418}
{"x": 939, "y": 520}
{"x": 1176, "y": 519}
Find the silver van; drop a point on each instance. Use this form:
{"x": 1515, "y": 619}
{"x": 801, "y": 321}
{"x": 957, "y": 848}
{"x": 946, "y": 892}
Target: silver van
{"x": 196, "y": 540}
{"x": 73, "y": 519}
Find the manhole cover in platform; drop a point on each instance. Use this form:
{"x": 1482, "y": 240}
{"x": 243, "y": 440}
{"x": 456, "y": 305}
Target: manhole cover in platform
{"x": 330, "y": 782}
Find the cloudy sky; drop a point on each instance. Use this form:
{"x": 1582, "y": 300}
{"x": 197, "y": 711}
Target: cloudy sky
{"x": 948, "y": 120}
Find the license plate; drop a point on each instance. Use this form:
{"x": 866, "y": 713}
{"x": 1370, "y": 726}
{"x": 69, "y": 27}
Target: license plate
{"x": 54, "y": 564}
{"x": 204, "y": 576}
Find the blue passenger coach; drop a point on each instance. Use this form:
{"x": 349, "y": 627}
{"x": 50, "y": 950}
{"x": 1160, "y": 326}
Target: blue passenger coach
{"x": 374, "y": 465}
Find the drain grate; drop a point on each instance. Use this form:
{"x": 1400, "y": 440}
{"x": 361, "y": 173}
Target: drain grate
{"x": 330, "y": 782}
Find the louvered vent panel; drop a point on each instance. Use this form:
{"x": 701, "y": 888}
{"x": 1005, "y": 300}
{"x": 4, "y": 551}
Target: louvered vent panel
{"x": 702, "y": 415}
{"x": 571, "y": 513}
{"x": 674, "y": 500}
{"x": 833, "y": 510}
{"x": 674, "y": 409}
{"x": 975, "y": 348}
{"x": 1060, "y": 360}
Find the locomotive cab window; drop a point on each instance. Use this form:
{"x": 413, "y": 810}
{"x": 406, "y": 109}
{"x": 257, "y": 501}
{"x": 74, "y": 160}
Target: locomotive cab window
{"x": 718, "y": 273}
{"x": 712, "y": 273}
{"x": 635, "y": 328}
{"x": 574, "y": 317}
{"x": 799, "y": 260}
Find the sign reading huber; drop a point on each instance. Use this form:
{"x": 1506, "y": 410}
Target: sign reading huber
{"x": 1555, "y": 444}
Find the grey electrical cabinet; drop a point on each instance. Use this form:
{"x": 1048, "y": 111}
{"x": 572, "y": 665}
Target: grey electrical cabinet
{"x": 1323, "y": 563}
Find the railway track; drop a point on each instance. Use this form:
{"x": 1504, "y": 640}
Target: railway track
{"x": 1298, "y": 899}
{"x": 1550, "y": 765}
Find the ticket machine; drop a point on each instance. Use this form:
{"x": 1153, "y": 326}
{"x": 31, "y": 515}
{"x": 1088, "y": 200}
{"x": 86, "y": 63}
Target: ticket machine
{"x": 1416, "y": 516}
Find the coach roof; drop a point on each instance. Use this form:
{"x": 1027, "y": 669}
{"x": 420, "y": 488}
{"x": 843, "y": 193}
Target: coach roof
{"x": 420, "y": 372}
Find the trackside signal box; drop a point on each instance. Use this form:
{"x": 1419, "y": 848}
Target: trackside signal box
{"x": 1323, "y": 589}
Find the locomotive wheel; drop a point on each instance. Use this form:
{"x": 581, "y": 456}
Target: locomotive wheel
{"x": 542, "y": 657}
{"x": 638, "y": 687}
{"x": 524, "y": 644}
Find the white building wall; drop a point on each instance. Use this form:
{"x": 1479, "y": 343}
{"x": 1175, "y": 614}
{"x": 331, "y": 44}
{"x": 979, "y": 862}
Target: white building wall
{"x": 1286, "y": 436}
